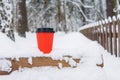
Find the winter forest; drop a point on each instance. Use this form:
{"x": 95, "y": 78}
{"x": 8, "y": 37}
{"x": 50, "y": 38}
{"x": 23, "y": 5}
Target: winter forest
{"x": 23, "y": 16}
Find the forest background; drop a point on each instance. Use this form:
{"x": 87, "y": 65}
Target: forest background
{"x": 23, "y": 16}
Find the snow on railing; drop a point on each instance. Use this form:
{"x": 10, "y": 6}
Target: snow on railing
{"x": 106, "y": 32}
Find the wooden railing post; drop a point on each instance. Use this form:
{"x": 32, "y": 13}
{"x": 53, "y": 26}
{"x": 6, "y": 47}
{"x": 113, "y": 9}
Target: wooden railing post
{"x": 104, "y": 40}
{"x": 110, "y": 37}
{"x": 96, "y": 33}
{"x": 100, "y": 32}
{"x": 118, "y": 22}
{"x": 106, "y": 36}
{"x": 114, "y": 37}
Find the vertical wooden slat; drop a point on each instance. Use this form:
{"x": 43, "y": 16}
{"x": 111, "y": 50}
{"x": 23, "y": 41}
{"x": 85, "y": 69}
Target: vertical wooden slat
{"x": 96, "y": 33}
{"x": 104, "y": 41}
{"x": 115, "y": 38}
{"x": 93, "y": 33}
{"x": 89, "y": 33}
{"x": 98, "y": 29}
{"x": 110, "y": 38}
{"x": 103, "y": 37}
{"x": 100, "y": 35}
{"x": 106, "y": 36}
{"x": 119, "y": 36}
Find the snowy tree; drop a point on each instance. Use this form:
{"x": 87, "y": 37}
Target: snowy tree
{"x": 100, "y": 9}
{"x": 47, "y": 14}
{"x": 6, "y": 17}
{"x": 34, "y": 12}
{"x": 63, "y": 15}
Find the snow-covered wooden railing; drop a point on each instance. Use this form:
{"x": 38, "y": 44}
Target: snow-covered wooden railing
{"x": 107, "y": 33}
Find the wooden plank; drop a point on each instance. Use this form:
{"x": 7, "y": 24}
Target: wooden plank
{"x": 103, "y": 36}
{"x": 106, "y": 37}
{"x": 39, "y": 61}
{"x": 110, "y": 38}
{"x": 93, "y": 34}
{"x": 118, "y": 22}
{"x": 97, "y": 34}
{"x": 100, "y": 35}
{"x": 115, "y": 39}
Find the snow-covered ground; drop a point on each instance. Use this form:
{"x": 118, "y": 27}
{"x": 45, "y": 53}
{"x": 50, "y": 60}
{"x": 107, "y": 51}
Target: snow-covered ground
{"x": 74, "y": 44}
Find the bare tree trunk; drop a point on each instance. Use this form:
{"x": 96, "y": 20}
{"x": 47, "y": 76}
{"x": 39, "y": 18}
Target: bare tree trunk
{"x": 83, "y": 9}
{"x": 110, "y": 7}
{"x": 101, "y": 8}
{"x": 46, "y": 3}
{"x": 65, "y": 21}
{"x": 58, "y": 15}
{"x": 6, "y": 21}
{"x": 22, "y": 19}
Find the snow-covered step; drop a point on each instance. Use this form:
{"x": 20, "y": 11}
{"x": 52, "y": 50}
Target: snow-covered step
{"x": 30, "y": 62}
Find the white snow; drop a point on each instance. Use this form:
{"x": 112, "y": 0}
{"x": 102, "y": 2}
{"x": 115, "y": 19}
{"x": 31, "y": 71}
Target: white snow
{"x": 114, "y": 18}
{"x": 60, "y": 65}
{"x": 30, "y": 60}
{"x": 72, "y": 62}
{"x": 118, "y": 16}
{"x": 74, "y": 44}
{"x": 88, "y": 25}
{"x": 111, "y": 67}
{"x": 110, "y": 19}
{"x": 5, "y": 65}
{"x": 106, "y": 20}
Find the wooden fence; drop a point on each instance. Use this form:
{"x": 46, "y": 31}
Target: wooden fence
{"x": 107, "y": 33}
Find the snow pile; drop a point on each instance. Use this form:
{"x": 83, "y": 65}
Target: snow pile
{"x": 78, "y": 46}
{"x": 20, "y": 48}
{"x": 5, "y": 65}
{"x": 71, "y": 44}
{"x": 90, "y": 25}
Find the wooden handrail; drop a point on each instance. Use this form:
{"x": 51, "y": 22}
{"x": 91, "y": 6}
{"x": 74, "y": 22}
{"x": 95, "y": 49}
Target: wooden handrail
{"x": 107, "y": 33}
